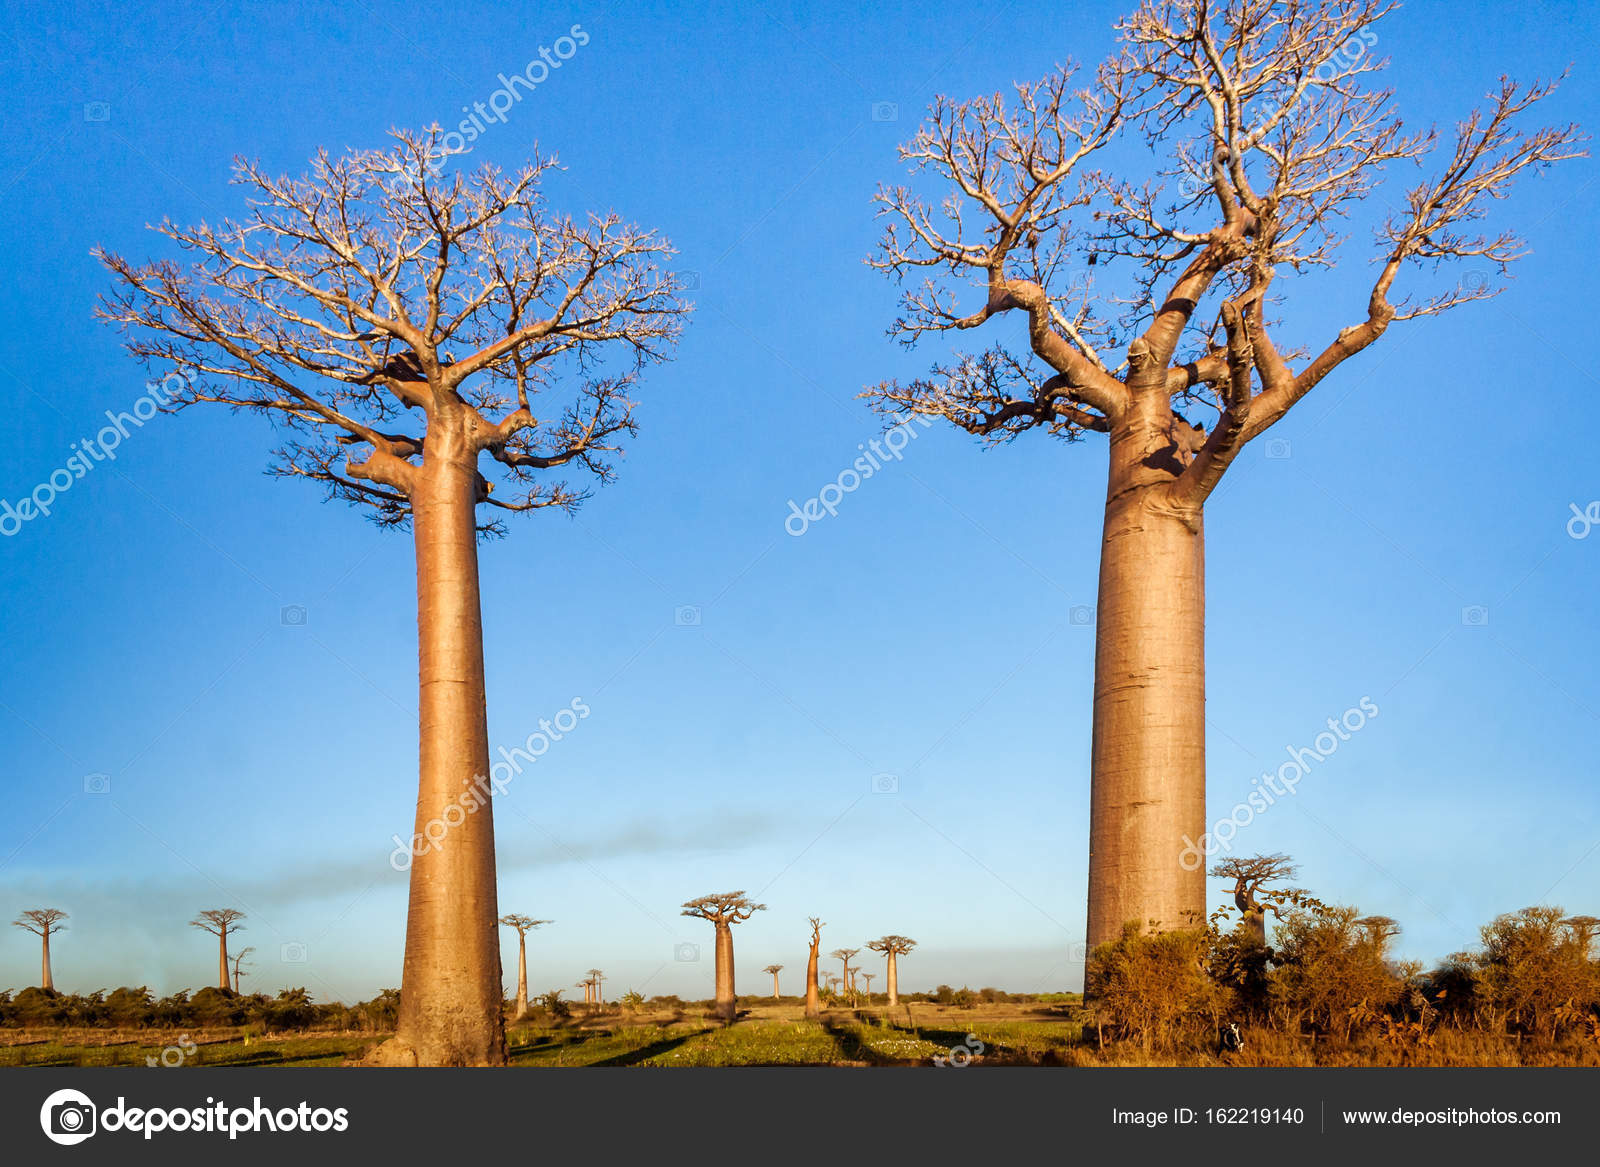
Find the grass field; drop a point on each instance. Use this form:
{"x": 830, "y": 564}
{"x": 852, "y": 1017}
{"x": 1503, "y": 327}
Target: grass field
{"x": 779, "y": 1035}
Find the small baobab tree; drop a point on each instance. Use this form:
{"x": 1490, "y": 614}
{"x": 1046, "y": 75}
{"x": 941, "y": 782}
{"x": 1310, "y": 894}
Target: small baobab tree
{"x": 813, "y": 1005}
{"x": 412, "y": 334}
{"x": 1380, "y": 930}
{"x": 238, "y": 966}
{"x": 773, "y": 970}
{"x": 892, "y": 947}
{"x": 1254, "y": 896}
{"x": 843, "y": 955}
{"x": 867, "y": 977}
{"x": 221, "y": 923}
{"x": 724, "y": 911}
{"x": 596, "y": 979}
{"x": 1138, "y": 302}
{"x": 1583, "y": 930}
{"x": 523, "y": 925}
{"x": 43, "y": 923}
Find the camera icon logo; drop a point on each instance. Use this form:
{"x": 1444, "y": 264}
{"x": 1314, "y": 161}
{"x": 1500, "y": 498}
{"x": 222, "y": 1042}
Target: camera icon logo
{"x": 885, "y": 111}
{"x": 686, "y": 616}
{"x": 97, "y": 783}
{"x": 293, "y": 952}
{"x": 685, "y": 953}
{"x": 97, "y": 111}
{"x": 292, "y": 616}
{"x": 1279, "y": 448}
{"x": 68, "y": 1117}
{"x": 1475, "y": 616}
{"x": 689, "y": 281}
{"x": 885, "y": 784}
{"x": 1080, "y": 615}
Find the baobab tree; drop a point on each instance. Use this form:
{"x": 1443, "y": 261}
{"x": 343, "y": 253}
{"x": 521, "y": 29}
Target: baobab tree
{"x": 523, "y": 925}
{"x": 773, "y": 970}
{"x": 238, "y": 966}
{"x": 221, "y": 923}
{"x": 1254, "y": 898}
{"x": 1583, "y": 929}
{"x": 843, "y": 955}
{"x": 1379, "y": 929}
{"x": 43, "y": 923}
{"x": 867, "y": 977}
{"x": 1265, "y": 136}
{"x": 813, "y": 1005}
{"x": 892, "y": 947}
{"x": 596, "y": 978}
{"x": 724, "y": 911}
{"x": 410, "y": 337}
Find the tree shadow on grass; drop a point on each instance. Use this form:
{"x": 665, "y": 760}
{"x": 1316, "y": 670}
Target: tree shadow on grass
{"x": 956, "y": 1040}
{"x": 645, "y": 1053}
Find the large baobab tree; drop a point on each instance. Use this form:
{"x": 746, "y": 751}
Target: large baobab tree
{"x": 892, "y": 947}
{"x": 813, "y": 1005}
{"x": 43, "y": 923}
{"x": 724, "y": 911}
{"x": 1265, "y": 136}
{"x": 221, "y": 923}
{"x": 523, "y": 925}
{"x": 238, "y": 966}
{"x": 411, "y": 334}
{"x": 773, "y": 970}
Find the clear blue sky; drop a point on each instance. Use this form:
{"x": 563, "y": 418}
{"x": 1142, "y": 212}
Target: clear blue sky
{"x": 924, "y": 632}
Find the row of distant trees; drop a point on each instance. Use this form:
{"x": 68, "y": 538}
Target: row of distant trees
{"x": 1328, "y": 971}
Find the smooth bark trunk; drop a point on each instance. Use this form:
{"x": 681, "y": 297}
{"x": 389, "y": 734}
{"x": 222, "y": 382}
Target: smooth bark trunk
{"x": 813, "y": 1004}
{"x": 522, "y": 974}
{"x": 775, "y": 993}
{"x": 223, "y": 980}
{"x": 46, "y": 980}
{"x": 894, "y": 981}
{"x": 725, "y": 994}
{"x": 1147, "y": 787}
{"x": 450, "y": 994}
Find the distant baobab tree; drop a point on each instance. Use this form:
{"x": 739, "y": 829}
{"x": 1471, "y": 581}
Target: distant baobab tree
{"x": 220, "y": 922}
{"x": 596, "y": 978}
{"x": 1251, "y": 876}
{"x": 813, "y": 1005}
{"x": 1264, "y": 137}
{"x": 1583, "y": 929}
{"x": 892, "y": 947}
{"x": 724, "y": 911}
{"x": 843, "y": 955}
{"x": 523, "y": 925}
{"x": 238, "y": 966}
{"x": 1379, "y": 929}
{"x": 408, "y": 333}
{"x": 867, "y": 977}
{"x": 773, "y": 970}
{"x": 43, "y": 923}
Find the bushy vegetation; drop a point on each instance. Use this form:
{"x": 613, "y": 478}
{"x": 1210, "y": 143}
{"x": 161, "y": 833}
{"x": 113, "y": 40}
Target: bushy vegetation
{"x": 1329, "y": 976}
{"x": 291, "y": 1011}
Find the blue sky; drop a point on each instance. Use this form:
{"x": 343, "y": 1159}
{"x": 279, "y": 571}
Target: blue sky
{"x": 924, "y": 632}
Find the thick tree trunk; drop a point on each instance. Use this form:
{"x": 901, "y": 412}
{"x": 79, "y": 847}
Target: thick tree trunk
{"x": 894, "y": 981}
{"x": 522, "y": 974}
{"x": 223, "y": 981}
{"x": 450, "y": 993}
{"x": 725, "y": 994}
{"x": 46, "y": 980}
{"x": 775, "y": 993}
{"x": 813, "y": 1004}
{"x": 1147, "y": 786}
